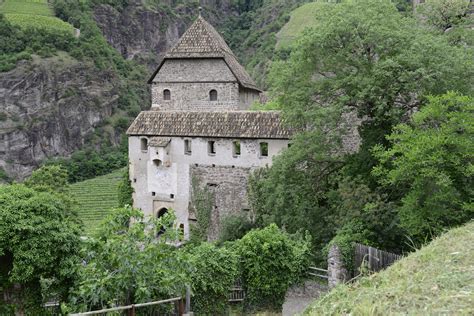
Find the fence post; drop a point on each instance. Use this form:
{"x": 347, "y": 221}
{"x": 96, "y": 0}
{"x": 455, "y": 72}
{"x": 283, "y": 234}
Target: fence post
{"x": 337, "y": 271}
{"x": 188, "y": 299}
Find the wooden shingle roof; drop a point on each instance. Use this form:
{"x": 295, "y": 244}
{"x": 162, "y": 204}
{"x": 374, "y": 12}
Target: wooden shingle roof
{"x": 202, "y": 40}
{"x": 236, "y": 124}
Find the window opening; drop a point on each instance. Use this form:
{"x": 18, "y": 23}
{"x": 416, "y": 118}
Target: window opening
{"x": 166, "y": 95}
{"x": 264, "y": 149}
{"x": 236, "y": 148}
{"x": 213, "y": 95}
{"x": 211, "y": 147}
{"x": 144, "y": 144}
{"x": 187, "y": 146}
{"x": 161, "y": 213}
{"x": 157, "y": 162}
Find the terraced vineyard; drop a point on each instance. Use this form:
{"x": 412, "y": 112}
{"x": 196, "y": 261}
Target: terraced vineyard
{"x": 96, "y": 198}
{"x": 33, "y": 14}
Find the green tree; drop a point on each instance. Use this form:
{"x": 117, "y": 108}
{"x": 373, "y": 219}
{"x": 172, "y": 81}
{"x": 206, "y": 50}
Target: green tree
{"x": 125, "y": 190}
{"x": 432, "y": 158}
{"x": 443, "y": 14}
{"x": 125, "y": 262}
{"x": 39, "y": 239}
{"x": 271, "y": 261}
{"x": 49, "y": 178}
{"x": 213, "y": 272}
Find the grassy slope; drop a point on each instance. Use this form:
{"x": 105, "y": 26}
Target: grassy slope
{"x": 96, "y": 197}
{"x": 33, "y": 7}
{"x": 33, "y": 13}
{"x": 301, "y": 18}
{"x": 436, "y": 280}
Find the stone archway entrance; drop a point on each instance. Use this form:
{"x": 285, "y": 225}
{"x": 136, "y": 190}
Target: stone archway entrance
{"x": 159, "y": 214}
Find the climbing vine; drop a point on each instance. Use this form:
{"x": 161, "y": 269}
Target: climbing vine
{"x": 201, "y": 205}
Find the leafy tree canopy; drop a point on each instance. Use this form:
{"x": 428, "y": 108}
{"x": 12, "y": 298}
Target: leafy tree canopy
{"x": 39, "y": 239}
{"x": 124, "y": 263}
{"x": 432, "y": 157}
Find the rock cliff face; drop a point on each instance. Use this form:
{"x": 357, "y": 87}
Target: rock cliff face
{"x": 48, "y": 107}
{"x": 146, "y": 32}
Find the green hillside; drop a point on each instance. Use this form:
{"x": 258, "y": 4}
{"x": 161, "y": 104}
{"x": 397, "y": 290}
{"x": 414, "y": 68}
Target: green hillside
{"x": 96, "y": 198}
{"x": 33, "y": 7}
{"x": 300, "y": 19}
{"x": 436, "y": 280}
{"x": 33, "y": 13}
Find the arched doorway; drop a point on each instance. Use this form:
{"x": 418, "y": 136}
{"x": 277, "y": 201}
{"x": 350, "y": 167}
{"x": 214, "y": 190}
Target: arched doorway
{"x": 161, "y": 213}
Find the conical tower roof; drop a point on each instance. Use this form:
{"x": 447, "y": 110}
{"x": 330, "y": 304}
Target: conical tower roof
{"x": 202, "y": 40}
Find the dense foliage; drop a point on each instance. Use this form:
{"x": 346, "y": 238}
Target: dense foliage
{"x": 363, "y": 64}
{"x": 233, "y": 227}
{"x": 39, "y": 240}
{"x": 213, "y": 273}
{"x": 271, "y": 261}
{"x": 431, "y": 158}
{"x": 124, "y": 263}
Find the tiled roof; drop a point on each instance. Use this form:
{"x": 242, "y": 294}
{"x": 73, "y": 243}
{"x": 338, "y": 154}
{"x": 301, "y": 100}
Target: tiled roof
{"x": 236, "y": 124}
{"x": 202, "y": 40}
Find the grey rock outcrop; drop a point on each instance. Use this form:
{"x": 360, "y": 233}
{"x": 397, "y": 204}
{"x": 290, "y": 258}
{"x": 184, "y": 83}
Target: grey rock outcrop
{"x": 48, "y": 107}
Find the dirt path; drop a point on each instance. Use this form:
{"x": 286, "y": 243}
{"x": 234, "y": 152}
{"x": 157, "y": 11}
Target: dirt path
{"x": 298, "y": 298}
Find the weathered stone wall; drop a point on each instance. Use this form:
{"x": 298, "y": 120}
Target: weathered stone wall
{"x": 195, "y": 96}
{"x": 229, "y": 188}
{"x": 169, "y": 185}
{"x": 337, "y": 271}
{"x": 190, "y": 81}
{"x": 247, "y": 98}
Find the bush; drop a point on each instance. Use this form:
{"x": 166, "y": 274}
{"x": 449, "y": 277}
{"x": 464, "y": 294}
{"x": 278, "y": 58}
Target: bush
{"x": 271, "y": 261}
{"x": 214, "y": 271}
{"x": 234, "y": 227}
{"x": 48, "y": 178}
{"x": 125, "y": 190}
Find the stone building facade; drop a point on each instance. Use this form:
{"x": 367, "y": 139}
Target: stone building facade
{"x": 199, "y": 132}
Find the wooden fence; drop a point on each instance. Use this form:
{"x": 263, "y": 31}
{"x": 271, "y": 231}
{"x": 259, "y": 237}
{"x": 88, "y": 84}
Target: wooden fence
{"x": 237, "y": 293}
{"x": 318, "y": 272}
{"x": 375, "y": 259}
{"x": 131, "y": 309}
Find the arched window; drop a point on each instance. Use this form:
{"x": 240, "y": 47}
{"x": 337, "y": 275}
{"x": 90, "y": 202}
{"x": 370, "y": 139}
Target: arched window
{"x": 166, "y": 94}
{"x": 144, "y": 144}
{"x": 213, "y": 95}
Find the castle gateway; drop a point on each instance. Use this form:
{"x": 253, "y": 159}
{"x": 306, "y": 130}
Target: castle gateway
{"x": 199, "y": 133}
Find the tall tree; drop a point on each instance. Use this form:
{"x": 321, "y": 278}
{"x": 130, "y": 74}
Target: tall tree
{"x": 39, "y": 239}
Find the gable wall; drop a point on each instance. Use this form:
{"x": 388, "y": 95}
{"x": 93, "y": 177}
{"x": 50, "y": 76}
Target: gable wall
{"x": 190, "y": 81}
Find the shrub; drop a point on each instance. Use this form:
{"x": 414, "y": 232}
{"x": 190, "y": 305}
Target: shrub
{"x": 234, "y": 227}
{"x": 214, "y": 271}
{"x": 271, "y": 261}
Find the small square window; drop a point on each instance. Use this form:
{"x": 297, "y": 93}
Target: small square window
{"x": 153, "y": 193}
{"x": 236, "y": 148}
{"x": 264, "y": 149}
{"x": 187, "y": 147}
{"x": 211, "y": 147}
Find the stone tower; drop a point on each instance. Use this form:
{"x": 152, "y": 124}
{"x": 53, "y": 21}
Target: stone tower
{"x": 202, "y": 73}
{"x": 199, "y": 134}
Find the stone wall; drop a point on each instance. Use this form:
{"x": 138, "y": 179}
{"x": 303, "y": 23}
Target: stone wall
{"x": 337, "y": 271}
{"x": 195, "y": 96}
{"x": 229, "y": 188}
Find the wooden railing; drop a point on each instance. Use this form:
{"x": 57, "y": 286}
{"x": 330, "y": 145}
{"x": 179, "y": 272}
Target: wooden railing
{"x": 131, "y": 308}
{"x": 318, "y": 272}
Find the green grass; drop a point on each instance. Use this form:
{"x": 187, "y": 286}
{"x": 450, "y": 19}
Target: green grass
{"x": 435, "y": 280}
{"x": 96, "y": 198}
{"x": 32, "y": 7}
{"x": 301, "y": 18}
{"x": 33, "y": 14}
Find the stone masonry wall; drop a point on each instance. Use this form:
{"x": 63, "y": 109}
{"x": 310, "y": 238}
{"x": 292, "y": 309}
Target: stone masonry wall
{"x": 337, "y": 271}
{"x": 195, "y": 96}
{"x": 229, "y": 187}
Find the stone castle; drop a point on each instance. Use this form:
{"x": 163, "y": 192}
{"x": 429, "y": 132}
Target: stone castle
{"x": 200, "y": 132}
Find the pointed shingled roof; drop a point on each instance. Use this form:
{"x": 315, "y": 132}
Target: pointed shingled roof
{"x": 202, "y": 40}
